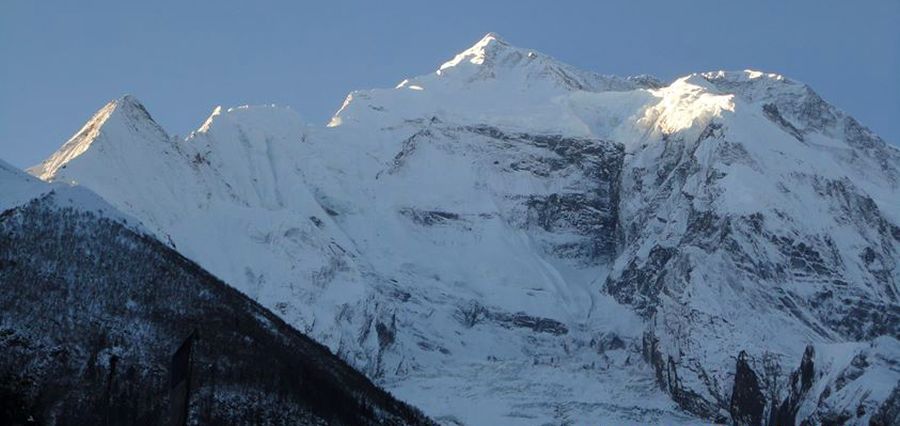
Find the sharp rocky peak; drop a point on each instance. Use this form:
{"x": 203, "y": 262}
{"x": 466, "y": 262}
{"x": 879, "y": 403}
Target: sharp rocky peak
{"x": 491, "y": 75}
{"x": 485, "y": 52}
{"x": 121, "y": 121}
{"x": 492, "y": 57}
{"x": 127, "y": 108}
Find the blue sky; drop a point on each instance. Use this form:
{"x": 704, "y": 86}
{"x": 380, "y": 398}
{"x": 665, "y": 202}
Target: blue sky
{"x": 62, "y": 60}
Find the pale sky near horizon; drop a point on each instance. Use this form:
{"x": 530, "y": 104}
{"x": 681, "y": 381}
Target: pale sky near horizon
{"x": 63, "y": 60}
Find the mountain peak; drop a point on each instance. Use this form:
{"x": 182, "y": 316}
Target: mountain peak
{"x": 491, "y": 41}
{"x": 130, "y": 106}
{"x": 488, "y": 76}
{"x": 492, "y": 36}
{"x": 129, "y": 101}
{"x": 126, "y": 107}
{"x": 120, "y": 121}
{"x": 493, "y": 58}
{"x": 484, "y": 51}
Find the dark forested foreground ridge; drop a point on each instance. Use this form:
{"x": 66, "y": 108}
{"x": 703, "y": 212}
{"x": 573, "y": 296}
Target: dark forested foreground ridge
{"x": 91, "y": 312}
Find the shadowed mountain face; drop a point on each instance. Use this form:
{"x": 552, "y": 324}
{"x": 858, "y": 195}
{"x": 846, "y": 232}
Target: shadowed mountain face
{"x": 91, "y": 311}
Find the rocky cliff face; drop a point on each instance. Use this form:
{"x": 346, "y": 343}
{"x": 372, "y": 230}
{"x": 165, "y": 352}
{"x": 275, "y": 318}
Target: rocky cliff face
{"x": 725, "y": 243}
{"x": 548, "y": 244}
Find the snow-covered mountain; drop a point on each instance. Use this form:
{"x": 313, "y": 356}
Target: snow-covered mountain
{"x": 513, "y": 240}
{"x": 92, "y": 309}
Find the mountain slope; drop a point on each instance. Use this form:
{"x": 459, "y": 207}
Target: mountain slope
{"x": 92, "y": 308}
{"x": 773, "y": 220}
{"x": 556, "y": 244}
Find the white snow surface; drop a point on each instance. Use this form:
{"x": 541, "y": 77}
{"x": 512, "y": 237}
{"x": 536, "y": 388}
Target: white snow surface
{"x": 403, "y": 235}
{"x": 18, "y": 188}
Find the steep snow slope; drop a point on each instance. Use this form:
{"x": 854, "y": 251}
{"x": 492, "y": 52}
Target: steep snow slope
{"x": 92, "y": 309}
{"x": 551, "y": 244}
